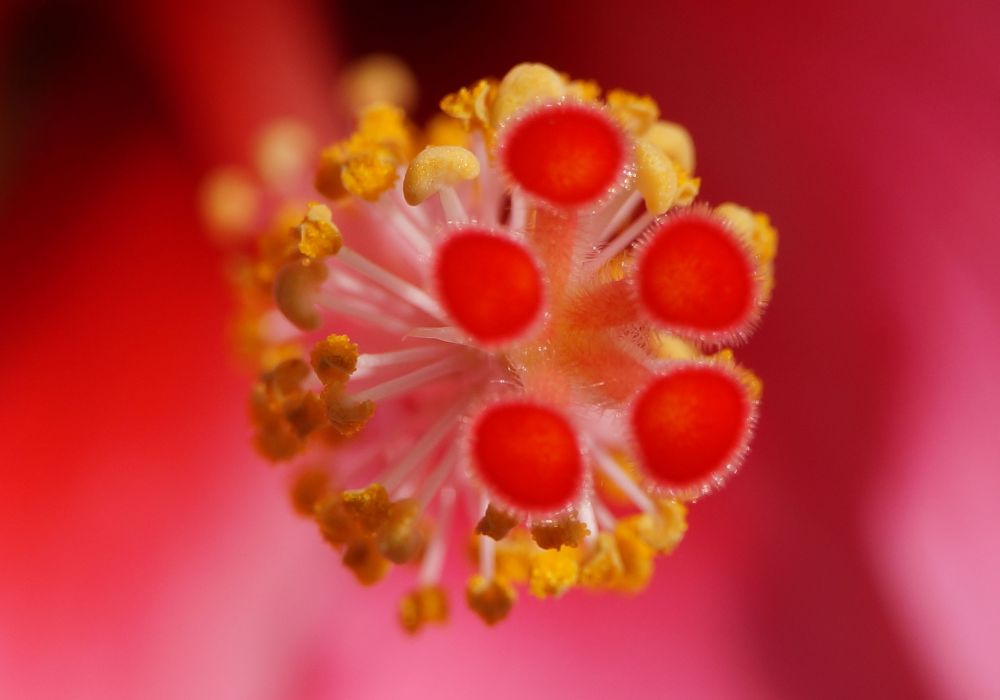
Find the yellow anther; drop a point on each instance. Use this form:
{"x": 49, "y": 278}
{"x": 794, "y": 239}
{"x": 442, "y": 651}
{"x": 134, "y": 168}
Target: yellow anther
{"x": 564, "y": 532}
{"x": 378, "y": 78}
{"x": 308, "y": 487}
{"x": 491, "y": 599}
{"x": 553, "y": 572}
{"x": 670, "y": 347}
{"x": 752, "y": 382}
{"x": 765, "y": 238}
{"x": 496, "y": 522}
{"x": 436, "y": 167}
{"x": 661, "y": 531}
{"x": 687, "y": 186}
{"x": 347, "y": 415}
{"x": 334, "y": 359}
{"x": 635, "y": 112}
{"x": 336, "y": 524}
{"x": 655, "y": 178}
{"x": 295, "y": 289}
{"x": 276, "y": 440}
{"x": 384, "y": 125}
{"x": 674, "y": 140}
{"x": 513, "y": 557}
{"x": 472, "y": 106}
{"x": 636, "y": 557}
{"x": 604, "y": 565}
{"x": 443, "y": 130}
{"x": 739, "y": 218}
{"x": 283, "y": 151}
{"x": 287, "y": 376}
{"x": 367, "y": 175}
{"x": 401, "y": 536}
{"x": 304, "y": 413}
{"x": 369, "y": 506}
{"x": 328, "y": 181}
{"x": 584, "y": 90}
{"x": 425, "y": 605}
{"x": 319, "y": 237}
{"x": 523, "y": 84}
{"x": 362, "y": 557}
{"x": 228, "y": 202}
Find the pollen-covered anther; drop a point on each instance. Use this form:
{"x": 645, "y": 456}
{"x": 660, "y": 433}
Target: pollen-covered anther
{"x": 663, "y": 529}
{"x": 334, "y": 359}
{"x": 603, "y": 566}
{"x": 319, "y": 237}
{"x": 369, "y": 506}
{"x": 655, "y": 178}
{"x": 296, "y": 287}
{"x": 337, "y": 525}
{"x": 496, "y": 522}
{"x": 553, "y": 572}
{"x": 308, "y": 487}
{"x": 636, "y": 560}
{"x": 425, "y": 605}
{"x": 347, "y": 414}
{"x": 401, "y": 536}
{"x": 636, "y": 112}
{"x": 565, "y": 531}
{"x": 490, "y": 285}
{"x": 491, "y": 599}
{"x": 363, "y": 558}
{"x": 569, "y": 154}
{"x": 527, "y": 456}
{"x": 696, "y": 278}
{"x": 526, "y": 83}
{"x": 437, "y": 167}
{"x": 691, "y": 426}
{"x": 675, "y": 141}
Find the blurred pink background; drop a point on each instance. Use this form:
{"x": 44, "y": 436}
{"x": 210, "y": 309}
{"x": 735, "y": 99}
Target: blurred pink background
{"x": 146, "y": 553}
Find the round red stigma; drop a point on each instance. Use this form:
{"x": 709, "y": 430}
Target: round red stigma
{"x": 527, "y": 456}
{"x": 690, "y": 424}
{"x": 567, "y": 154}
{"x": 490, "y": 285}
{"x": 696, "y": 278}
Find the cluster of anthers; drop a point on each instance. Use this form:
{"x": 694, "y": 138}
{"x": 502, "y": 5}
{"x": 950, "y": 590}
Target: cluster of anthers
{"x": 527, "y": 318}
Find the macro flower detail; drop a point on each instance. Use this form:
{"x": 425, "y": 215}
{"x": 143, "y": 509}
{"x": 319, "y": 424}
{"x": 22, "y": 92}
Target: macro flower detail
{"x": 515, "y": 324}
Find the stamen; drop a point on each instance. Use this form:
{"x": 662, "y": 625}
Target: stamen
{"x": 369, "y": 362}
{"x": 423, "y": 447}
{"x": 398, "y": 286}
{"x": 368, "y": 313}
{"x": 433, "y": 561}
{"x": 440, "y": 474}
{"x": 413, "y": 379}
{"x": 620, "y": 242}
{"x": 609, "y": 467}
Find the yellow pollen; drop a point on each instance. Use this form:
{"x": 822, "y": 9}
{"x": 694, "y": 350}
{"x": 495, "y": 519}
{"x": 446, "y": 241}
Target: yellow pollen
{"x": 656, "y": 177}
{"x": 472, "y": 106}
{"x": 662, "y": 531}
{"x": 675, "y": 141}
{"x": 347, "y": 415}
{"x": 436, "y": 167}
{"x": 369, "y": 174}
{"x": 496, "y": 522}
{"x": 378, "y": 78}
{"x": 635, "y": 112}
{"x": 564, "y": 532}
{"x": 637, "y": 560}
{"x": 401, "y": 536}
{"x": 687, "y": 186}
{"x": 491, "y": 599}
{"x": 319, "y": 237}
{"x": 362, "y": 557}
{"x": 604, "y": 564}
{"x": 334, "y": 359}
{"x": 553, "y": 572}
{"x": 425, "y": 605}
{"x": 584, "y": 90}
{"x": 525, "y": 83}
{"x": 369, "y": 506}
{"x": 443, "y": 130}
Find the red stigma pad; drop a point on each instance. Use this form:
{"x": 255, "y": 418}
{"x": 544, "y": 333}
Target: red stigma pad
{"x": 567, "y": 154}
{"x": 694, "y": 276}
{"x": 490, "y": 285}
{"x": 527, "y": 455}
{"x": 689, "y": 424}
